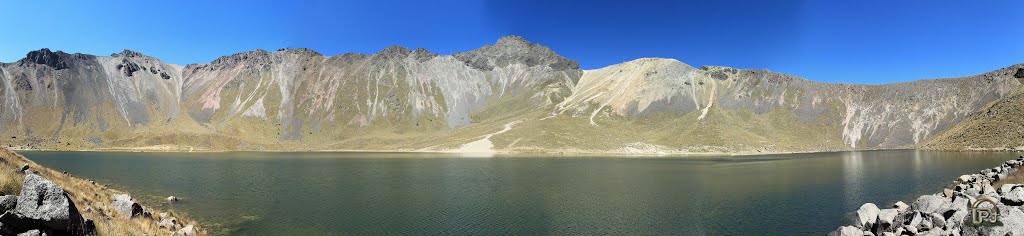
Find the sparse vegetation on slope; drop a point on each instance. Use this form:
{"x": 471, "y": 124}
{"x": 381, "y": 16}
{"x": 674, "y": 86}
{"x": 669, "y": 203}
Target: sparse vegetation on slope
{"x": 92, "y": 199}
{"x": 414, "y": 100}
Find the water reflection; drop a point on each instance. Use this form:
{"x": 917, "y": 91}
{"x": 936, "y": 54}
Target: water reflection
{"x": 389, "y": 193}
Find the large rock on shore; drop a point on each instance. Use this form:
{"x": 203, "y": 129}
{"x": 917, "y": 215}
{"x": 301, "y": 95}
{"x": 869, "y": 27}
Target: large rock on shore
{"x": 867, "y": 215}
{"x": 933, "y": 204}
{"x": 124, "y": 204}
{"x": 847, "y": 231}
{"x": 43, "y": 207}
{"x": 46, "y": 203}
{"x": 1013, "y": 198}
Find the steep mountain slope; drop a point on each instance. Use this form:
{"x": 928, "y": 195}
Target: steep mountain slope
{"x": 260, "y": 99}
{"x": 997, "y": 126}
{"x": 510, "y": 96}
{"x": 672, "y": 107}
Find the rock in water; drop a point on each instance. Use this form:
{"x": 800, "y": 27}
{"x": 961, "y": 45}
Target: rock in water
{"x": 867, "y": 215}
{"x": 123, "y": 203}
{"x": 8, "y": 203}
{"x": 46, "y": 203}
{"x": 172, "y": 199}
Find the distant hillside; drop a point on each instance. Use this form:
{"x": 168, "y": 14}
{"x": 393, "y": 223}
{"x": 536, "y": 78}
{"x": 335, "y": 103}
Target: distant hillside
{"x": 997, "y": 126}
{"x": 512, "y": 96}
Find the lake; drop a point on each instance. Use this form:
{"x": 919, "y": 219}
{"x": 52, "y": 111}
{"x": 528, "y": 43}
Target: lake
{"x": 255, "y": 193}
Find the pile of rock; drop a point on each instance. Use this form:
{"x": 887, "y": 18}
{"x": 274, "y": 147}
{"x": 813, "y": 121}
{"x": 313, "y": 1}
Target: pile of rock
{"x": 948, "y": 213}
{"x": 42, "y": 208}
{"x": 127, "y": 206}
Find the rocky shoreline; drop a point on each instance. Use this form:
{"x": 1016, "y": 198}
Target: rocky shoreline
{"x": 951, "y": 211}
{"x": 35, "y": 200}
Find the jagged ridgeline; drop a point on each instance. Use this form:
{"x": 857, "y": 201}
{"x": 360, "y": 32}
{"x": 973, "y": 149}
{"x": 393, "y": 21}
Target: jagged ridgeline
{"x": 401, "y": 99}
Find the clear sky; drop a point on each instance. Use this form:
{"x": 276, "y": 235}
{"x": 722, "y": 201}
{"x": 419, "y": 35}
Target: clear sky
{"x": 855, "y": 41}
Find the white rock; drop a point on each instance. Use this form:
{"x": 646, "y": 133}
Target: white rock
{"x": 847, "y": 231}
{"x": 964, "y": 178}
{"x": 886, "y": 217}
{"x": 867, "y": 215}
{"x": 188, "y": 230}
{"x": 900, "y": 206}
{"x": 1014, "y": 198}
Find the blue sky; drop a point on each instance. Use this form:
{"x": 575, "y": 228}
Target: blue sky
{"x": 863, "y": 41}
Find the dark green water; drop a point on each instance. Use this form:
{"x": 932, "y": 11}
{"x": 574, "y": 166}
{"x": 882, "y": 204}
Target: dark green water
{"x": 379, "y": 193}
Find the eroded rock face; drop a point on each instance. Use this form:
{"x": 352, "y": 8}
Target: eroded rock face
{"x": 303, "y": 95}
{"x": 46, "y": 57}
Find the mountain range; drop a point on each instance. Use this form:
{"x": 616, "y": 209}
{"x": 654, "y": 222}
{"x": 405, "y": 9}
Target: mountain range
{"x": 512, "y": 96}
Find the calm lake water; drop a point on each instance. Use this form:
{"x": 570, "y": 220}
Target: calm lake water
{"x": 389, "y": 193}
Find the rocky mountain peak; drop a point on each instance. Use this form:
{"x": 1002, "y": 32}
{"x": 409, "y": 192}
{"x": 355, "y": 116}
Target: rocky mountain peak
{"x": 422, "y": 54}
{"x": 301, "y": 51}
{"x": 46, "y": 57}
{"x": 513, "y": 41}
{"x": 260, "y": 55}
{"x": 395, "y": 51}
{"x": 515, "y": 49}
{"x": 129, "y": 53}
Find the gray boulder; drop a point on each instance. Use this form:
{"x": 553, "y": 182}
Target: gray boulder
{"x": 957, "y": 219}
{"x": 8, "y": 202}
{"x": 887, "y": 217}
{"x": 900, "y": 206}
{"x": 46, "y": 203}
{"x": 866, "y": 215}
{"x": 1013, "y": 198}
{"x": 188, "y": 230}
{"x": 933, "y": 204}
{"x": 965, "y": 178}
{"x": 169, "y": 223}
{"x": 1006, "y": 188}
{"x": 124, "y": 204}
{"x": 847, "y": 231}
{"x": 938, "y": 221}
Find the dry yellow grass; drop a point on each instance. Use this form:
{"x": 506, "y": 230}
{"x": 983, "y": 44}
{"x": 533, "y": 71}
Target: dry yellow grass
{"x": 92, "y": 199}
{"x": 1016, "y": 178}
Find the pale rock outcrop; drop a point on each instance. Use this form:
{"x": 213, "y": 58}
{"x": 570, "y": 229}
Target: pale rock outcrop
{"x": 124, "y": 204}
